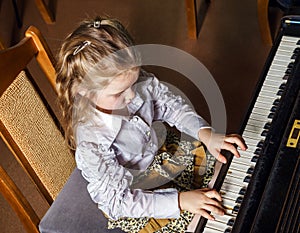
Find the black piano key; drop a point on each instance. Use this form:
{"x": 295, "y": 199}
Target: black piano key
{"x": 288, "y": 71}
{"x": 291, "y": 65}
{"x": 264, "y": 133}
{"x": 228, "y": 230}
{"x": 276, "y": 102}
{"x": 260, "y": 144}
{"x": 271, "y": 115}
{"x": 258, "y": 151}
{"x": 273, "y": 109}
{"x": 296, "y": 50}
{"x": 250, "y": 170}
{"x": 247, "y": 179}
{"x": 236, "y": 209}
{"x": 230, "y": 222}
{"x": 280, "y": 92}
{"x": 239, "y": 200}
{"x": 294, "y": 56}
{"x": 254, "y": 159}
{"x": 267, "y": 125}
{"x": 242, "y": 191}
{"x": 282, "y": 86}
{"x": 286, "y": 77}
{"x": 298, "y": 42}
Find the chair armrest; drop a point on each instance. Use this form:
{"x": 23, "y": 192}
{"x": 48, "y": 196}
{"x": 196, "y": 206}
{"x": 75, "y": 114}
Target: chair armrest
{"x": 73, "y": 211}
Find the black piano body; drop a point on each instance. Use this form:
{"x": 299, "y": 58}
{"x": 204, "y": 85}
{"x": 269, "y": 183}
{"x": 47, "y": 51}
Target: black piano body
{"x": 266, "y": 196}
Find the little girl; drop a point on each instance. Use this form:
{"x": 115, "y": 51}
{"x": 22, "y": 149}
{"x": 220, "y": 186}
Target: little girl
{"x": 110, "y": 104}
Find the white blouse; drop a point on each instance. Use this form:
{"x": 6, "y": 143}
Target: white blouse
{"x": 112, "y": 148}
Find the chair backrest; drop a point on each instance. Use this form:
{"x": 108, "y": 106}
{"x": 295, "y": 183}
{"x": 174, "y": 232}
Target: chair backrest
{"x": 29, "y": 127}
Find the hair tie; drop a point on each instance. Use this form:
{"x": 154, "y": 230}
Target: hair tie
{"x": 81, "y": 47}
{"x": 97, "y": 24}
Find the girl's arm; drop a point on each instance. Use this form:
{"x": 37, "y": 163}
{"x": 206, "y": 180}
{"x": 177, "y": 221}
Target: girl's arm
{"x": 216, "y": 142}
{"x": 173, "y": 110}
{"x": 109, "y": 186}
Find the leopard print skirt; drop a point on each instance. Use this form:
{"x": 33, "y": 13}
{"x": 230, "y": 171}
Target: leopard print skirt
{"x": 179, "y": 164}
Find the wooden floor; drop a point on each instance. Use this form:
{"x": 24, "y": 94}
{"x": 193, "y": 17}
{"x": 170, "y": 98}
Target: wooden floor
{"x": 228, "y": 45}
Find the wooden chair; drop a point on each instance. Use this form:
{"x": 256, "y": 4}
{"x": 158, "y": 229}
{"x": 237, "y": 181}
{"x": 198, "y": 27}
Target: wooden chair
{"x": 45, "y": 11}
{"x": 194, "y": 16}
{"x": 29, "y": 128}
{"x": 32, "y": 133}
{"x": 263, "y": 21}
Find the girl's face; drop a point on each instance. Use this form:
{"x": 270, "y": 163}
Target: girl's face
{"x": 118, "y": 93}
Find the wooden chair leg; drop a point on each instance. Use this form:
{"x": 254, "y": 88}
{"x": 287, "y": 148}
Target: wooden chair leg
{"x": 46, "y": 13}
{"x": 191, "y": 15}
{"x": 263, "y": 21}
{"x": 18, "y": 202}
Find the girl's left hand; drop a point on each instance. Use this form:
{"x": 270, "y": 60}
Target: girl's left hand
{"x": 215, "y": 142}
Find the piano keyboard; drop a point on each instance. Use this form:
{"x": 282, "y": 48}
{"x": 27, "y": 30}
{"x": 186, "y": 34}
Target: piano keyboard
{"x": 240, "y": 170}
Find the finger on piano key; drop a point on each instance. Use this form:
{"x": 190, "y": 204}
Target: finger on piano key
{"x": 235, "y": 197}
{"x": 230, "y": 206}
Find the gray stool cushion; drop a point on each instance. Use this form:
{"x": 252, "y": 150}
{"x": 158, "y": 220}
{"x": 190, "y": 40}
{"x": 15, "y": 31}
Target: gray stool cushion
{"x": 73, "y": 211}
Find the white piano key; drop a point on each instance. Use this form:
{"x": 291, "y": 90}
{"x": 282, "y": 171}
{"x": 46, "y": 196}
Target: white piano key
{"x": 210, "y": 230}
{"x": 223, "y": 218}
{"x": 245, "y": 161}
{"x": 227, "y": 186}
{"x": 285, "y": 54}
{"x": 260, "y": 118}
{"x": 250, "y": 141}
{"x": 281, "y": 63}
{"x": 228, "y": 203}
{"x": 261, "y": 111}
{"x": 285, "y": 46}
{"x": 239, "y": 167}
{"x": 291, "y": 39}
{"x": 275, "y": 83}
{"x": 216, "y": 225}
{"x": 246, "y": 155}
{"x": 227, "y": 194}
{"x": 235, "y": 181}
{"x": 279, "y": 68}
{"x": 252, "y": 135}
{"x": 254, "y": 123}
{"x": 263, "y": 104}
{"x": 236, "y": 173}
{"x": 267, "y": 89}
{"x": 266, "y": 99}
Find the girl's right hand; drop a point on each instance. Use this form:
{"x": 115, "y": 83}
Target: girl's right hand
{"x": 202, "y": 201}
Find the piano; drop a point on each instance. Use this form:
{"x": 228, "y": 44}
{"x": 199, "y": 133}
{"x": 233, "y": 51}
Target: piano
{"x": 261, "y": 189}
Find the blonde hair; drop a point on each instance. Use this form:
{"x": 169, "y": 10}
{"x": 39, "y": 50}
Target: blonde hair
{"x": 97, "y": 51}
